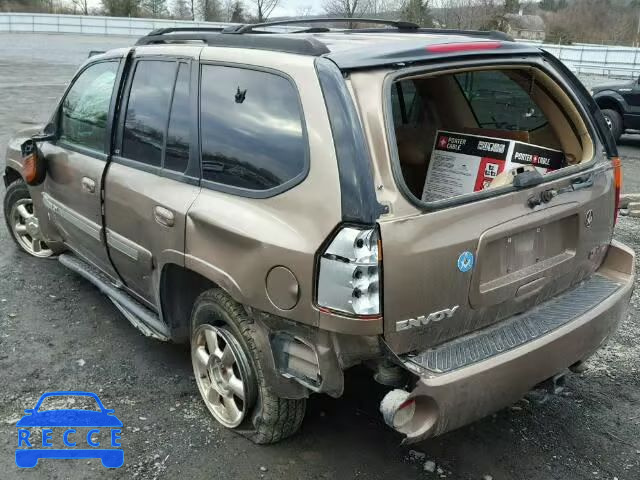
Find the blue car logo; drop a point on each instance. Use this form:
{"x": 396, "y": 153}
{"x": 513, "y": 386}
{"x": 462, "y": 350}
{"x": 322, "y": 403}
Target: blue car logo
{"x": 102, "y": 428}
{"x": 465, "y": 262}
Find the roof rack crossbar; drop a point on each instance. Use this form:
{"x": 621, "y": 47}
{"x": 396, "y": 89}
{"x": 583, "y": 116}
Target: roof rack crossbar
{"x": 248, "y": 28}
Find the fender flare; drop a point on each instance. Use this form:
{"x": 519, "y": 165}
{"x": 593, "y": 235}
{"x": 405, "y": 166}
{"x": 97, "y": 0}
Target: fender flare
{"x": 614, "y": 97}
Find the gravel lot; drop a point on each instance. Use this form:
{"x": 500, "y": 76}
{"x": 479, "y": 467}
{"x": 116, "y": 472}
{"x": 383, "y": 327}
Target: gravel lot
{"x": 58, "y": 333}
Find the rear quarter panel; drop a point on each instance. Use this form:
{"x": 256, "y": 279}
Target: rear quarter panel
{"x": 236, "y": 240}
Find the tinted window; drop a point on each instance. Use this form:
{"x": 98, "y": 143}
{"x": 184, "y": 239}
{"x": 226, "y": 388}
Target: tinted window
{"x": 407, "y": 105}
{"x": 177, "y": 152}
{"x": 498, "y": 101}
{"x": 251, "y": 128}
{"x": 85, "y": 109}
{"x": 147, "y": 110}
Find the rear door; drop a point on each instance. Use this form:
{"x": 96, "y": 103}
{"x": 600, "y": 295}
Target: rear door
{"x": 152, "y": 182}
{"x": 454, "y": 268}
{"x": 77, "y": 158}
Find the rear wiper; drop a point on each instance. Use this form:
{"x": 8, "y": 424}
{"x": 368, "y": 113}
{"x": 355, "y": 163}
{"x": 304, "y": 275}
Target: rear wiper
{"x": 527, "y": 178}
{"x": 578, "y": 183}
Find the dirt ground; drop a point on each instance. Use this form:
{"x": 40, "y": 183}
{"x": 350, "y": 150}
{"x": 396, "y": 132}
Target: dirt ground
{"x": 58, "y": 333}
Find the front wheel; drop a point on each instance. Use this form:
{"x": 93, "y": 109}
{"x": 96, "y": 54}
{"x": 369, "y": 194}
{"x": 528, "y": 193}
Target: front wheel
{"x": 228, "y": 372}
{"x": 614, "y": 122}
{"x": 22, "y": 222}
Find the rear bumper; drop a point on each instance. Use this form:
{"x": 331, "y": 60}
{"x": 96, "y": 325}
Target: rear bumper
{"x": 445, "y": 401}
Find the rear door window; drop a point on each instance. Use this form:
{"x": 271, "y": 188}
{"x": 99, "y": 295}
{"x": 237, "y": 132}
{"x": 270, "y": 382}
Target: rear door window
{"x": 147, "y": 111}
{"x": 499, "y": 102}
{"x": 252, "y": 133}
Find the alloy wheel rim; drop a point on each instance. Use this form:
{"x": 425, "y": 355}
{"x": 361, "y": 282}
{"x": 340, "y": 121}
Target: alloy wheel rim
{"x": 26, "y": 229}
{"x": 221, "y": 372}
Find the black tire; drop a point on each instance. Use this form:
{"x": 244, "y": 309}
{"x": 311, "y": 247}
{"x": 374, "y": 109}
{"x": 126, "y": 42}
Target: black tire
{"x": 614, "y": 119}
{"x": 271, "y": 418}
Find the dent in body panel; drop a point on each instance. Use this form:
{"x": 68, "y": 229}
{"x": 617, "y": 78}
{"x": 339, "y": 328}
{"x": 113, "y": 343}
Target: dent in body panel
{"x": 235, "y": 240}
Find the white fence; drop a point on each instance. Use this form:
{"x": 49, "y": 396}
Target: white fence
{"x": 583, "y": 59}
{"x": 47, "y": 23}
{"x": 612, "y": 61}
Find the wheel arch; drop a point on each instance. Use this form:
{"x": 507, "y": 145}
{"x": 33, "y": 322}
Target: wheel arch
{"x": 11, "y": 175}
{"x": 179, "y": 289}
{"x": 610, "y": 101}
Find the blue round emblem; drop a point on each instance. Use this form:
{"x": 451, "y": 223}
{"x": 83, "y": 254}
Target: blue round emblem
{"x": 465, "y": 261}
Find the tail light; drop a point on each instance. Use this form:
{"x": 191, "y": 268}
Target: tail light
{"x": 617, "y": 182}
{"x": 349, "y": 273}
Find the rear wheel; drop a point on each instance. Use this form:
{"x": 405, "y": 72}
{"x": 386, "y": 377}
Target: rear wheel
{"x": 614, "y": 122}
{"x": 22, "y": 222}
{"x": 228, "y": 372}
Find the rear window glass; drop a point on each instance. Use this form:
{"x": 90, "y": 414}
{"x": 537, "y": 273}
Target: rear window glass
{"x": 460, "y": 133}
{"x": 251, "y": 125}
{"x": 499, "y": 102}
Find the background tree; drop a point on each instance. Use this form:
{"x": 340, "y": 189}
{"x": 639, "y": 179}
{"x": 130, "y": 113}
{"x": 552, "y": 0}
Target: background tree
{"x": 264, "y": 9}
{"x": 511, "y": 6}
{"x": 155, "y": 8}
{"x": 210, "y": 10}
{"x": 548, "y": 5}
{"x": 82, "y": 5}
{"x": 417, "y": 11}
{"x": 237, "y": 13}
{"x": 345, "y": 8}
{"x": 121, "y": 8}
{"x": 180, "y": 10}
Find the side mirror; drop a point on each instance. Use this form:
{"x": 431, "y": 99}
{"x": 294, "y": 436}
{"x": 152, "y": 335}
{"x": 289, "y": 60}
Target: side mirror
{"x": 109, "y": 411}
{"x": 48, "y": 134}
{"x": 29, "y": 411}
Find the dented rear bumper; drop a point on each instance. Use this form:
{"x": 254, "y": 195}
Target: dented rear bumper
{"x": 489, "y": 370}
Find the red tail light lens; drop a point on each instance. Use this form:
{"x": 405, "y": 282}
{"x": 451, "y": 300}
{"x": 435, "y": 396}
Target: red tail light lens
{"x": 617, "y": 182}
{"x": 463, "y": 47}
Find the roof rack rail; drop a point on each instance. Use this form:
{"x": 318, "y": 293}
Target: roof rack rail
{"x": 303, "y": 46}
{"x": 163, "y": 31}
{"x": 248, "y": 28}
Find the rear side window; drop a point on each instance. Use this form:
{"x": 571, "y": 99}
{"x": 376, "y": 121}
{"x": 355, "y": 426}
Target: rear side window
{"x": 177, "y": 151}
{"x": 252, "y": 133}
{"x": 499, "y": 102}
{"x": 85, "y": 109}
{"x": 147, "y": 111}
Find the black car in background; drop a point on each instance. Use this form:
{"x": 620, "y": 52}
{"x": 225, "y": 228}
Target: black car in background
{"x": 620, "y": 104}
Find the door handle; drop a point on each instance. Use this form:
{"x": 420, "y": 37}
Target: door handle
{"x": 88, "y": 185}
{"x": 163, "y": 216}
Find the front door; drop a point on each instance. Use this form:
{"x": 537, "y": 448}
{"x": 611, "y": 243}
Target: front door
{"x": 150, "y": 184}
{"x": 76, "y": 161}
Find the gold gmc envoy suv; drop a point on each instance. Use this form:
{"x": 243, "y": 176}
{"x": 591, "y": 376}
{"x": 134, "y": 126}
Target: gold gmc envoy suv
{"x": 295, "y": 200}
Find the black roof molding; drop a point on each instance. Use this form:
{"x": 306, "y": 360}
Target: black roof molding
{"x": 248, "y": 28}
{"x": 302, "y": 46}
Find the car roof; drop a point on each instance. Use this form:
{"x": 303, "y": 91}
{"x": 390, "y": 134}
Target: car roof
{"x": 352, "y": 49}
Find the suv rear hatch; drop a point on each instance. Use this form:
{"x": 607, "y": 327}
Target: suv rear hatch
{"x": 459, "y": 262}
